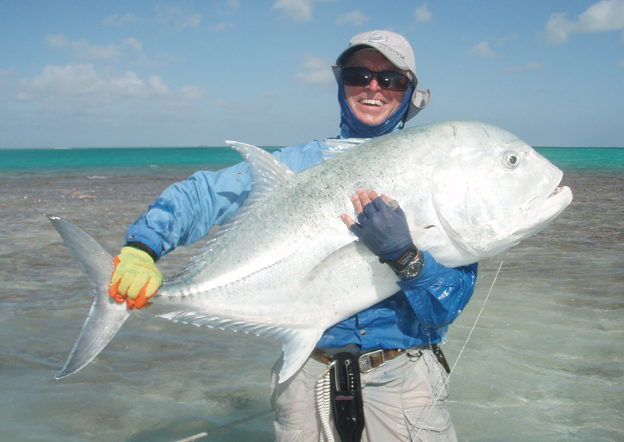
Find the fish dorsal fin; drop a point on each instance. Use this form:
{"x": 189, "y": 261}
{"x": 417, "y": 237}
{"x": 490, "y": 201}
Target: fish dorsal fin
{"x": 267, "y": 174}
{"x": 266, "y": 170}
{"x": 297, "y": 344}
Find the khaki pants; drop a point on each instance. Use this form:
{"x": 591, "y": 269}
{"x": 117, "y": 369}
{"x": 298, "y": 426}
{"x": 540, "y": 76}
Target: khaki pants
{"x": 398, "y": 399}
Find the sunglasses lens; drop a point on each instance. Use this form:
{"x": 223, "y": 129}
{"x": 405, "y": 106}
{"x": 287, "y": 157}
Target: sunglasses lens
{"x": 394, "y": 81}
{"x": 391, "y": 80}
{"x": 356, "y": 76}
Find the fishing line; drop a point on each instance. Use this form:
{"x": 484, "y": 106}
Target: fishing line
{"x": 459, "y": 356}
{"x": 224, "y": 427}
{"x": 265, "y": 412}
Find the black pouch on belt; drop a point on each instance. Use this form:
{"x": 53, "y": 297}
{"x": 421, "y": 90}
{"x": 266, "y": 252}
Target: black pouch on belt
{"x": 346, "y": 391}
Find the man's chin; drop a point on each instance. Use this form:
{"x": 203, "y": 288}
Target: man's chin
{"x": 371, "y": 116}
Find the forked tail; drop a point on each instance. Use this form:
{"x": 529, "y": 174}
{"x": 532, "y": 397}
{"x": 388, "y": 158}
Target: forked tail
{"x": 106, "y": 316}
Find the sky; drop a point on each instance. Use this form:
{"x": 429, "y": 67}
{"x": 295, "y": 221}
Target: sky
{"x": 197, "y": 73}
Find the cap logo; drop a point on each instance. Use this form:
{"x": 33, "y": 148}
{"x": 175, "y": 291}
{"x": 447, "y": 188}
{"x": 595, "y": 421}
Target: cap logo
{"x": 375, "y": 39}
{"x": 393, "y": 51}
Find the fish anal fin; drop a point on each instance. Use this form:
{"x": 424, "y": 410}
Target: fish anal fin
{"x": 297, "y": 344}
{"x": 297, "y": 347}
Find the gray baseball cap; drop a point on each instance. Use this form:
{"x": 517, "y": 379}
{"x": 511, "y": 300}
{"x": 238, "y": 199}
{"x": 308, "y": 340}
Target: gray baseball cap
{"x": 398, "y": 51}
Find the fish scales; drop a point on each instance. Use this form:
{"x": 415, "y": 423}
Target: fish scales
{"x": 287, "y": 266}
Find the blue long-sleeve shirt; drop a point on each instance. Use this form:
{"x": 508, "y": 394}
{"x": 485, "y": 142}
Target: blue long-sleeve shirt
{"x": 418, "y": 314}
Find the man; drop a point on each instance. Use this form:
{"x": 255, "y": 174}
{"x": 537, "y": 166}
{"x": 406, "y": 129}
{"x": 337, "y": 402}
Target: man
{"x": 403, "y": 381}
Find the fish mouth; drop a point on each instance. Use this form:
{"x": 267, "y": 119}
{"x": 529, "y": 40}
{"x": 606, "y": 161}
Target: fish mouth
{"x": 557, "y": 190}
{"x": 554, "y": 204}
{"x": 540, "y": 201}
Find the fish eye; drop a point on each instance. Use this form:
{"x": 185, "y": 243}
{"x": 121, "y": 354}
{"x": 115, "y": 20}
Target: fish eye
{"x": 511, "y": 160}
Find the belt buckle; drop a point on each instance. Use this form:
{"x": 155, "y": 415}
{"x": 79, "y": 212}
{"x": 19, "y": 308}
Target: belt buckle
{"x": 364, "y": 361}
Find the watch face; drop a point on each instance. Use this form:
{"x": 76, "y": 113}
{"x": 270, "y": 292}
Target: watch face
{"x": 413, "y": 269}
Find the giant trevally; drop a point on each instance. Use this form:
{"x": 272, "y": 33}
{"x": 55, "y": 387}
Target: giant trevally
{"x": 286, "y": 266}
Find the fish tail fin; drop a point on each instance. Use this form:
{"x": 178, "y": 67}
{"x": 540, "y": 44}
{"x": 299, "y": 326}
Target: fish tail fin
{"x": 106, "y": 316}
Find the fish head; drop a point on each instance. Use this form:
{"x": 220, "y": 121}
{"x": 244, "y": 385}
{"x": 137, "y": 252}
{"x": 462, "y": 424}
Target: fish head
{"x": 493, "y": 190}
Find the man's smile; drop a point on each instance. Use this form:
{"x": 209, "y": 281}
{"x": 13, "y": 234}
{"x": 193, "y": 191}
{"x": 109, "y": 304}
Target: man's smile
{"x": 372, "y": 102}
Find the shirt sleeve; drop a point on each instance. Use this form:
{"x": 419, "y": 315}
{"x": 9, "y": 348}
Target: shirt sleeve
{"x": 186, "y": 211}
{"x": 439, "y": 294}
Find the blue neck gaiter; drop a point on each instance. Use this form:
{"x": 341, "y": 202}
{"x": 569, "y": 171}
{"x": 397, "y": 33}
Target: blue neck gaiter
{"x": 352, "y": 127}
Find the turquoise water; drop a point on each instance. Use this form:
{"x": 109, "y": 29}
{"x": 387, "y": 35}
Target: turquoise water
{"x": 199, "y": 157}
{"x": 545, "y": 361}
{"x": 605, "y": 158}
{"x": 215, "y": 157}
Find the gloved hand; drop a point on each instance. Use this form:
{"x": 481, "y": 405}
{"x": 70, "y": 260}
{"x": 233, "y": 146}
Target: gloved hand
{"x": 135, "y": 278}
{"x": 383, "y": 230}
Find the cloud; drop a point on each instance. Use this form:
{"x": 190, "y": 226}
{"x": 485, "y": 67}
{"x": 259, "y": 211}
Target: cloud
{"x": 129, "y": 49}
{"x": 354, "y": 17}
{"x": 227, "y": 7}
{"x": 162, "y": 59}
{"x": 84, "y": 49}
{"x": 6, "y": 77}
{"x": 621, "y": 63}
{"x": 530, "y": 66}
{"x": 504, "y": 40}
{"x": 228, "y": 106}
{"x": 57, "y": 41}
{"x": 7, "y": 81}
{"x": 422, "y": 14}
{"x": 177, "y": 17}
{"x": 83, "y": 84}
{"x": 193, "y": 93}
{"x": 482, "y": 50}
{"x": 317, "y": 71}
{"x": 120, "y": 20}
{"x": 606, "y": 15}
{"x": 169, "y": 15}
{"x": 296, "y": 10}
{"x": 221, "y": 27}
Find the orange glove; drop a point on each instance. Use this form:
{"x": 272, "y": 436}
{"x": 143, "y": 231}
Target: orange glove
{"x": 135, "y": 278}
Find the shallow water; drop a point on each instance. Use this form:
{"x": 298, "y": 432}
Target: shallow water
{"x": 545, "y": 361}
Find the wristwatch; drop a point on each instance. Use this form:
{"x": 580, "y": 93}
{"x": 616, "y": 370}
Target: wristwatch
{"x": 414, "y": 268}
{"x": 409, "y": 264}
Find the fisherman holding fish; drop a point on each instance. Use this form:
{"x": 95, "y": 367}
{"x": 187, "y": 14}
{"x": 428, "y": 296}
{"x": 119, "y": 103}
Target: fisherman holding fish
{"x": 388, "y": 372}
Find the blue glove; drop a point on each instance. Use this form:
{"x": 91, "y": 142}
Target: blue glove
{"x": 383, "y": 230}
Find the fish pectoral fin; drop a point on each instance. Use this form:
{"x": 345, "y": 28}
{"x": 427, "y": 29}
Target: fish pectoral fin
{"x": 297, "y": 346}
{"x": 342, "y": 261}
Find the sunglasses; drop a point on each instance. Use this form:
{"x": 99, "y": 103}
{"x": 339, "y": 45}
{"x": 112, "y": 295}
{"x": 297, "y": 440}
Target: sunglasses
{"x": 391, "y": 80}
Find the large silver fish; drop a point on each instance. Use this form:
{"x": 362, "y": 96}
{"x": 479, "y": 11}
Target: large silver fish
{"x": 286, "y": 266}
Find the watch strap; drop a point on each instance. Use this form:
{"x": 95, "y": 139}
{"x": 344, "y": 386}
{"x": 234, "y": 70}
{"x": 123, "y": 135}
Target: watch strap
{"x": 402, "y": 262}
